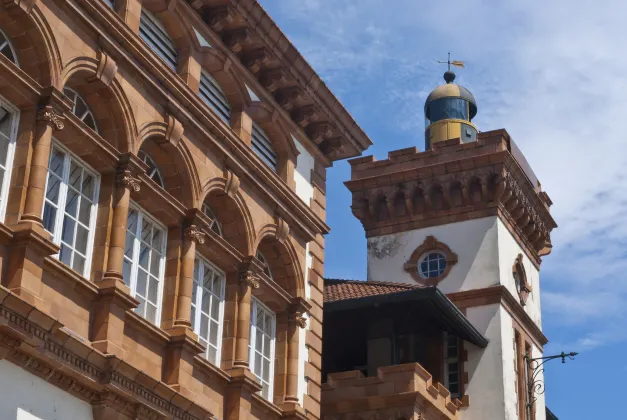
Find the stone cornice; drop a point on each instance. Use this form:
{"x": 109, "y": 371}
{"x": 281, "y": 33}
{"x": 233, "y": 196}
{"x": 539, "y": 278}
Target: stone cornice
{"x": 500, "y": 294}
{"x": 451, "y": 183}
{"x": 34, "y": 341}
{"x": 292, "y": 69}
{"x": 188, "y": 106}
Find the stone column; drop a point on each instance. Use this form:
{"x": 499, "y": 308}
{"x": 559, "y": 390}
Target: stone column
{"x": 114, "y": 295}
{"x": 296, "y": 321}
{"x": 191, "y": 236}
{"x": 31, "y": 243}
{"x": 248, "y": 281}
{"x": 48, "y": 119}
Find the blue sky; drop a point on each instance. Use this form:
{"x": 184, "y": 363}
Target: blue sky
{"x": 552, "y": 72}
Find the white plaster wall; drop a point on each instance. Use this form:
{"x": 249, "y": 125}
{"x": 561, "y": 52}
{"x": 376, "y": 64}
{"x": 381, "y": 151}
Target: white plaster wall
{"x": 509, "y": 369}
{"x": 24, "y": 396}
{"x": 485, "y": 367}
{"x": 474, "y": 241}
{"x": 508, "y": 251}
{"x": 485, "y": 249}
{"x": 302, "y": 173}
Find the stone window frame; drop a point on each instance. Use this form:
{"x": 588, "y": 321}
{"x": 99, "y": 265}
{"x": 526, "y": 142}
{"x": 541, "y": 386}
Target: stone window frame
{"x": 523, "y": 287}
{"x": 430, "y": 244}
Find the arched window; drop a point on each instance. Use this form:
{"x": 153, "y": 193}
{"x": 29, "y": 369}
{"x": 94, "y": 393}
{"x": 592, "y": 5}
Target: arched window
{"x": 80, "y": 108}
{"x": 214, "y": 96}
{"x": 144, "y": 262}
{"x": 215, "y": 224}
{"x": 153, "y": 171}
{"x": 261, "y": 346}
{"x": 207, "y": 307}
{"x": 263, "y": 147}
{"x": 70, "y": 208}
{"x": 152, "y": 31}
{"x": 266, "y": 266}
{"x": 6, "y": 48}
{"x": 432, "y": 264}
{"x": 8, "y": 134}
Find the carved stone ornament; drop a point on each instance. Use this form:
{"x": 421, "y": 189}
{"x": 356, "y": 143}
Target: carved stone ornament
{"x": 430, "y": 244}
{"x": 300, "y": 320}
{"x": 523, "y": 287}
{"x": 127, "y": 180}
{"x": 49, "y": 115}
{"x": 249, "y": 279}
{"x": 193, "y": 233}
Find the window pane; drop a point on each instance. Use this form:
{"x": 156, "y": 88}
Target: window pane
{"x": 204, "y": 324}
{"x": 146, "y": 231}
{"x": 71, "y": 203}
{"x": 68, "y": 230}
{"x": 257, "y": 370}
{"x": 88, "y": 186}
{"x": 154, "y": 264}
{"x": 85, "y": 211}
{"x": 50, "y": 214}
{"x": 213, "y": 333}
{"x": 144, "y": 255}
{"x": 205, "y": 301}
{"x": 65, "y": 255}
{"x": 56, "y": 162}
{"x": 153, "y": 290}
{"x": 212, "y": 355}
{"x": 126, "y": 272}
{"x": 142, "y": 281}
{"x": 157, "y": 240}
{"x": 4, "y": 143}
{"x": 215, "y": 308}
{"x": 266, "y": 346}
{"x": 5, "y": 121}
{"x": 266, "y": 370}
{"x": 79, "y": 263}
{"x": 75, "y": 176}
{"x": 128, "y": 245}
{"x": 81, "y": 240}
{"x": 52, "y": 191}
{"x": 131, "y": 223}
{"x": 151, "y": 313}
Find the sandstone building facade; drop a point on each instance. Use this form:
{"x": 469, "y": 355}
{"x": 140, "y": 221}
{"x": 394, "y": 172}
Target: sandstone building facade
{"x": 162, "y": 207}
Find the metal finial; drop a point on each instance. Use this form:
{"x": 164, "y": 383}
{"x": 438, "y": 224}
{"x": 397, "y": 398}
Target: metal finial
{"x": 449, "y": 76}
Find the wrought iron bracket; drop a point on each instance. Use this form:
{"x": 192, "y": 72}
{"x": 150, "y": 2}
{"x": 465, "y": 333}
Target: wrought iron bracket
{"x": 535, "y": 386}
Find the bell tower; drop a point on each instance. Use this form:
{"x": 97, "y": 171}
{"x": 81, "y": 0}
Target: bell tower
{"x": 467, "y": 215}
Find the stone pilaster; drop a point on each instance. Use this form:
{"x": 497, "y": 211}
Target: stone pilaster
{"x": 114, "y": 295}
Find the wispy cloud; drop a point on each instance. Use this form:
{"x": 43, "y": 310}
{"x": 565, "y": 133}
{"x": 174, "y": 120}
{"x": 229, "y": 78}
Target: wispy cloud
{"x": 551, "y": 72}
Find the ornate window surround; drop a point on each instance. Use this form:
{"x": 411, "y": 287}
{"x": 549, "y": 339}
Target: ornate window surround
{"x": 523, "y": 287}
{"x": 430, "y": 244}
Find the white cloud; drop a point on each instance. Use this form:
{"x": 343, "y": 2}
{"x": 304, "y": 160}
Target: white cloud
{"x": 552, "y": 72}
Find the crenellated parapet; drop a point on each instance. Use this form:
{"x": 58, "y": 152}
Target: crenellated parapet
{"x": 453, "y": 182}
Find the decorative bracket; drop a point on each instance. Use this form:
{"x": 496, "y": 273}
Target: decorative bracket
{"x": 127, "y": 180}
{"x": 50, "y": 116}
{"x": 193, "y": 233}
{"x": 536, "y": 385}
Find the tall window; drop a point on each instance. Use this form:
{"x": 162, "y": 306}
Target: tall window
{"x": 215, "y": 224}
{"x": 153, "y": 171}
{"x": 529, "y": 406}
{"x": 6, "y": 48}
{"x": 8, "y": 132}
{"x": 80, "y": 108}
{"x": 452, "y": 371}
{"x": 263, "y": 147}
{"x": 152, "y": 31}
{"x": 144, "y": 262}
{"x": 213, "y": 95}
{"x": 69, "y": 212}
{"x": 266, "y": 266}
{"x": 261, "y": 346}
{"x": 207, "y": 307}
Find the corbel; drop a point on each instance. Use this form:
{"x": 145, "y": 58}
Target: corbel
{"x": 318, "y": 131}
{"x": 304, "y": 115}
{"x": 217, "y": 17}
{"x": 25, "y": 5}
{"x": 106, "y": 71}
{"x": 231, "y": 186}
{"x": 236, "y": 39}
{"x": 286, "y": 97}
{"x": 272, "y": 78}
{"x": 174, "y": 132}
{"x": 282, "y": 229}
{"x": 256, "y": 59}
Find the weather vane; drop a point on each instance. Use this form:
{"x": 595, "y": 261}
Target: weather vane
{"x": 449, "y": 76}
{"x": 455, "y": 63}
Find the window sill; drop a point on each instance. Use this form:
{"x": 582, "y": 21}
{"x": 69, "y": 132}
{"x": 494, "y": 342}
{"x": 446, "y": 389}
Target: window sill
{"x": 146, "y": 325}
{"x": 210, "y": 368}
{"x": 81, "y": 284}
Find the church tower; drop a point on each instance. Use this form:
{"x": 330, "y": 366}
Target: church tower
{"x": 468, "y": 216}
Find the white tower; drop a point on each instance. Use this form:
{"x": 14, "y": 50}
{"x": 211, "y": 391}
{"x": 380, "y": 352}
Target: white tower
{"x": 469, "y": 217}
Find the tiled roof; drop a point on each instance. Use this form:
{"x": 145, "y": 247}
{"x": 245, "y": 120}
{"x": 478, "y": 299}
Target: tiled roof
{"x": 339, "y": 289}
